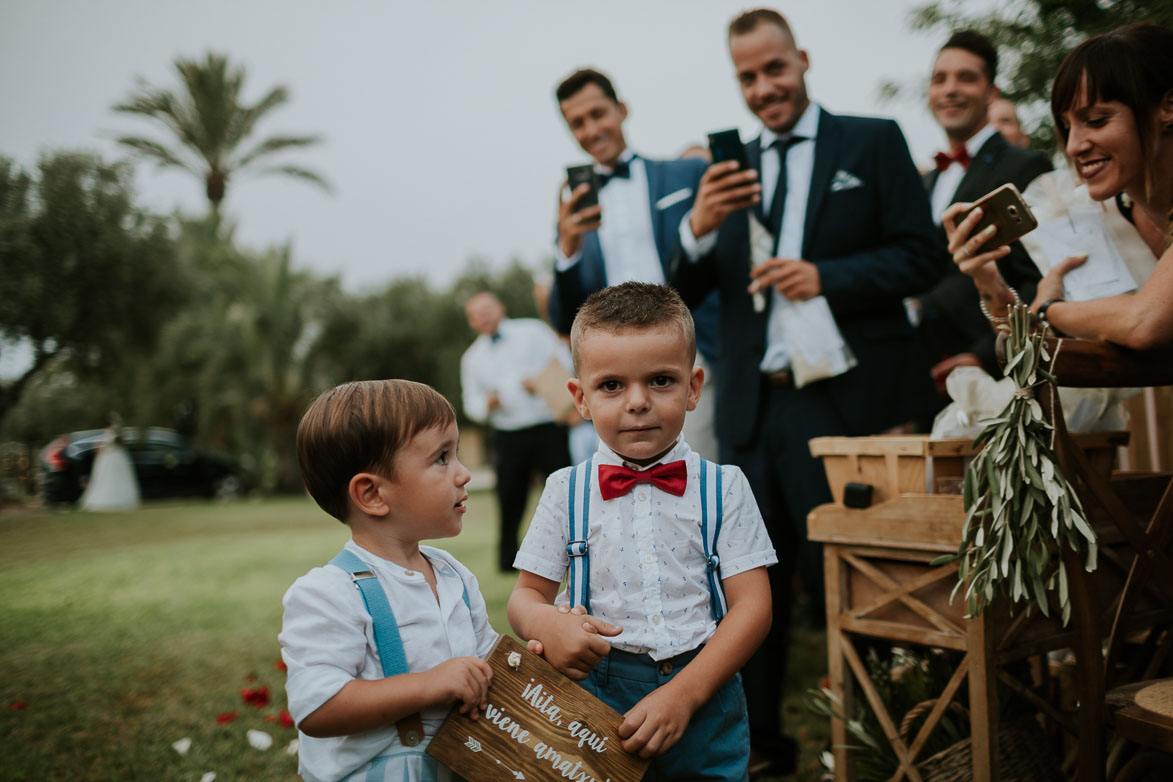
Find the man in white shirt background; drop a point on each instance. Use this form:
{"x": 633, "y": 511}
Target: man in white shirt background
{"x": 497, "y": 377}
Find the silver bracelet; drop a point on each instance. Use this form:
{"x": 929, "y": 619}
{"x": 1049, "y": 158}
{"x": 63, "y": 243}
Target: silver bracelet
{"x": 986, "y": 310}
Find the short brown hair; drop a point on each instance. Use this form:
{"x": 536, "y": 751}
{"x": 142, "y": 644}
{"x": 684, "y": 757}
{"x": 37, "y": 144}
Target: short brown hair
{"x": 1132, "y": 64}
{"x": 979, "y": 46}
{"x": 748, "y": 21}
{"x": 360, "y": 427}
{"x": 632, "y": 305}
{"x": 580, "y": 79}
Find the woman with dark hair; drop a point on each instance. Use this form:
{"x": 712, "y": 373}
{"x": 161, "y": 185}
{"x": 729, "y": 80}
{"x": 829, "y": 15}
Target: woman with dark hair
{"x": 1112, "y": 103}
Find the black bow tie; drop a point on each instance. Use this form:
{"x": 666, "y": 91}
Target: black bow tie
{"x": 621, "y": 171}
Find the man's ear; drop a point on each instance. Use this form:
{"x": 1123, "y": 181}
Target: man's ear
{"x": 574, "y": 386}
{"x": 695, "y": 382}
{"x": 622, "y": 111}
{"x": 370, "y": 493}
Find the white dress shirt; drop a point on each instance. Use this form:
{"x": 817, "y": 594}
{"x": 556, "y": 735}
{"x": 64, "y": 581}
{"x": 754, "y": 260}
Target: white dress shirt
{"x": 489, "y": 366}
{"x": 949, "y": 180}
{"x": 328, "y": 639}
{"x": 800, "y": 163}
{"x": 626, "y": 236}
{"x": 647, "y": 560}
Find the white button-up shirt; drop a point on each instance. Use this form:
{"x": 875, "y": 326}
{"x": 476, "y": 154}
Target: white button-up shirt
{"x": 647, "y": 560}
{"x": 489, "y": 366}
{"x": 328, "y": 639}
{"x": 945, "y": 188}
{"x": 626, "y": 236}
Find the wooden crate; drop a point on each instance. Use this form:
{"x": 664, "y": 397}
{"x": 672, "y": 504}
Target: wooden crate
{"x": 915, "y": 464}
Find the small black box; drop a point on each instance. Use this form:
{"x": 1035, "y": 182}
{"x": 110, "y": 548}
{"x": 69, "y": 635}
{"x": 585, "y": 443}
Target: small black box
{"x": 857, "y": 495}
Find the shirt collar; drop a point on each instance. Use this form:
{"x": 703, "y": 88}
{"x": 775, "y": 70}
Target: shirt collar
{"x": 626, "y": 157}
{"x": 681, "y": 450}
{"x": 978, "y": 140}
{"x": 807, "y": 127}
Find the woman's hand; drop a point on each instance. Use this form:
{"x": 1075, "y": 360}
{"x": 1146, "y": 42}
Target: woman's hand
{"x": 1051, "y": 286}
{"x": 965, "y": 248}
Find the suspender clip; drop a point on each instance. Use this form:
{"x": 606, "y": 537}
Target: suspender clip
{"x": 577, "y": 548}
{"x": 714, "y": 563}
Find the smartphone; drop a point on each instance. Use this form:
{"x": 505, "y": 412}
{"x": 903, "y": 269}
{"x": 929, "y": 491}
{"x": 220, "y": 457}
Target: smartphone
{"x": 726, "y": 145}
{"x": 575, "y": 176}
{"x": 1004, "y": 209}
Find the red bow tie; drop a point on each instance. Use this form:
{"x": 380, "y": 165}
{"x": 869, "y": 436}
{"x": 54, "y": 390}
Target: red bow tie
{"x": 946, "y": 159}
{"x": 615, "y": 481}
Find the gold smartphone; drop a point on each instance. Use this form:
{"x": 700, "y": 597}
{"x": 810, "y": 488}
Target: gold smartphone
{"x": 1004, "y": 209}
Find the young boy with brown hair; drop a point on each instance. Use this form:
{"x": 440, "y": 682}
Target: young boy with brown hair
{"x": 663, "y": 552}
{"x": 383, "y": 640}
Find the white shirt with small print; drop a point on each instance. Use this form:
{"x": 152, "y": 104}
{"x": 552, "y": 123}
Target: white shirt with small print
{"x": 647, "y": 559}
{"x": 328, "y": 639}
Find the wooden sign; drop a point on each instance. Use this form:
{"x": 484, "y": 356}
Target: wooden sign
{"x": 550, "y": 385}
{"x": 539, "y": 725}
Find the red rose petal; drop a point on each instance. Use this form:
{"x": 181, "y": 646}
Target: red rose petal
{"x": 258, "y": 697}
{"x": 226, "y": 717}
{"x": 285, "y": 718}
{"x": 18, "y": 705}
{"x": 280, "y": 665}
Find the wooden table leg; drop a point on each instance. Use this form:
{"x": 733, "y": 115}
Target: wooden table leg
{"x": 983, "y": 700}
{"x": 836, "y": 584}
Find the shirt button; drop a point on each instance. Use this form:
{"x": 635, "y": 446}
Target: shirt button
{"x": 665, "y": 668}
{"x": 641, "y": 496}
{"x": 409, "y": 572}
{"x": 649, "y": 559}
{"x": 657, "y": 619}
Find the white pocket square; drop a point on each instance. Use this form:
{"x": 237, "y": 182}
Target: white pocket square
{"x": 673, "y": 198}
{"x": 845, "y": 180}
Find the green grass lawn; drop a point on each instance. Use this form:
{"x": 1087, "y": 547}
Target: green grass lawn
{"x": 121, "y": 633}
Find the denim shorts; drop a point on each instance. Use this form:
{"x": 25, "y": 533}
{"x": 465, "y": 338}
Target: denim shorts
{"x": 715, "y": 746}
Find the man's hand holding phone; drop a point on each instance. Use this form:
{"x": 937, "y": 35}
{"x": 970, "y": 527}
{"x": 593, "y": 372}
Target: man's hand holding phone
{"x": 724, "y": 188}
{"x": 574, "y": 221}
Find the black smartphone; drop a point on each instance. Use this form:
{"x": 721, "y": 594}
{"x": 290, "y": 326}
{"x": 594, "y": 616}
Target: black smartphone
{"x": 575, "y": 176}
{"x": 1004, "y": 209}
{"x": 726, "y": 145}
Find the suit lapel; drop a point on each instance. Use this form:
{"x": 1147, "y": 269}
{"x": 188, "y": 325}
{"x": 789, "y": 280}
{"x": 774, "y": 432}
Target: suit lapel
{"x": 655, "y": 174}
{"x": 976, "y": 182}
{"x": 826, "y": 153}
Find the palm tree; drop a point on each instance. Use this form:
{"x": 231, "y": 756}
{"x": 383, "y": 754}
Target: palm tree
{"x": 212, "y": 124}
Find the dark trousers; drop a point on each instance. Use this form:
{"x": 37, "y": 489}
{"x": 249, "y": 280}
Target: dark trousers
{"x": 787, "y": 483}
{"x": 520, "y": 453}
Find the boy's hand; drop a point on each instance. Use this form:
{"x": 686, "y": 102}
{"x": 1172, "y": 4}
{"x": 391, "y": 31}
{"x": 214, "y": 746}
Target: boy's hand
{"x": 657, "y": 722}
{"x": 573, "y": 642}
{"x": 464, "y": 680}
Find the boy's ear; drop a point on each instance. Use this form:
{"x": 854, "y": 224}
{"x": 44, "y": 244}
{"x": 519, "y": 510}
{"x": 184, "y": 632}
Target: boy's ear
{"x": 695, "y": 382}
{"x": 370, "y": 493}
{"x": 574, "y": 386}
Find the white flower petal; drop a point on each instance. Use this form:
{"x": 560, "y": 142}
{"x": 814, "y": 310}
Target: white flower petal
{"x": 292, "y": 748}
{"x": 182, "y": 746}
{"x": 259, "y": 739}
{"x": 209, "y": 777}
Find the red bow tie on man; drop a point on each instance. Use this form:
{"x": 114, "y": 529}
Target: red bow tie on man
{"x": 615, "y": 480}
{"x": 946, "y": 159}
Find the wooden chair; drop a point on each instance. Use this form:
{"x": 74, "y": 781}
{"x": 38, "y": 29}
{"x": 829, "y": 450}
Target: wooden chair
{"x": 1125, "y": 638}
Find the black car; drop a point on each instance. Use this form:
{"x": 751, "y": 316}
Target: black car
{"x": 165, "y": 464}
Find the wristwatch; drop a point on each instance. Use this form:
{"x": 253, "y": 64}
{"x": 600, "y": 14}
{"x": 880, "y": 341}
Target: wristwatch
{"x": 1042, "y": 316}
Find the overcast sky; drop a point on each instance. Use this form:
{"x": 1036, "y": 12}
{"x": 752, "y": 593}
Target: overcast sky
{"x": 442, "y": 137}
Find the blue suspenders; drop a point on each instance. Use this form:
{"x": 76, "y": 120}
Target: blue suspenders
{"x": 578, "y": 513}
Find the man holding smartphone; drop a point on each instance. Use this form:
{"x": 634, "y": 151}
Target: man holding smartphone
{"x": 979, "y": 160}
{"x": 845, "y": 219}
{"x": 632, "y": 233}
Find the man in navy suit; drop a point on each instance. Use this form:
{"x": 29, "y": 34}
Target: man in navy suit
{"x": 634, "y": 232}
{"x": 979, "y": 160}
{"x": 847, "y": 214}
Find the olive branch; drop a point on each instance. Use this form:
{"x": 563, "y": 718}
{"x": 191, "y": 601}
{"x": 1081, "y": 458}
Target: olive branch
{"x": 1019, "y": 507}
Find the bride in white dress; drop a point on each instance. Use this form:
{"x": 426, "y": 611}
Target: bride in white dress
{"x": 112, "y": 484}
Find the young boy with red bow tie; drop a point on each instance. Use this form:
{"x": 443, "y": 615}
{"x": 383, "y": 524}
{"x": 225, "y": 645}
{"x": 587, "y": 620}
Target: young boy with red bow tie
{"x": 663, "y": 552}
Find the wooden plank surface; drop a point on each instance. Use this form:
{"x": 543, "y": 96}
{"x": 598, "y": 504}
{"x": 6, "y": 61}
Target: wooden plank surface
{"x": 929, "y": 522}
{"x": 540, "y": 725}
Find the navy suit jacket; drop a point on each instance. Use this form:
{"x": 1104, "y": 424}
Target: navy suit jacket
{"x": 676, "y": 182}
{"x": 869, "y": 230}
{"x": 952, "y": 320}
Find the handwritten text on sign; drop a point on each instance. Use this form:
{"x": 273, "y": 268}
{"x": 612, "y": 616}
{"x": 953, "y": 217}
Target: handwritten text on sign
{"x": 539, "y": 725}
